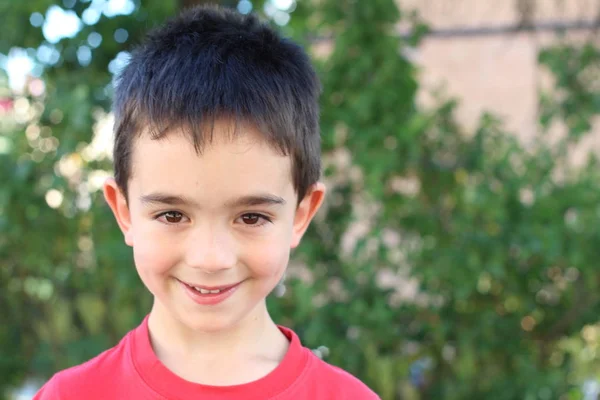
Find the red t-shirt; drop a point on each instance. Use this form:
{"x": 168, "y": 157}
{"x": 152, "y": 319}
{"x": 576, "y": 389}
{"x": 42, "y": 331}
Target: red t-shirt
{"x": 131, "y": 371}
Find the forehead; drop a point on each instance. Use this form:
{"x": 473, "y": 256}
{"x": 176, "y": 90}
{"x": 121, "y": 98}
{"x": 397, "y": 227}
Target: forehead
{"x": 233, "y": 163}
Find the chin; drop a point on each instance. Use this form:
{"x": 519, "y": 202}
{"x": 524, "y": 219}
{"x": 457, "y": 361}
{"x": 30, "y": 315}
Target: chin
{"x": 209, "y": 324}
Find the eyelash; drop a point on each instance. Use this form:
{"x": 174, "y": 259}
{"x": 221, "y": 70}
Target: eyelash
{"x": 265, "y": 219}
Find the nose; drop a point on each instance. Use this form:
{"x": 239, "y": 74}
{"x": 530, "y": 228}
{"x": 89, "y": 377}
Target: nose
{"x": 210, "y": 250}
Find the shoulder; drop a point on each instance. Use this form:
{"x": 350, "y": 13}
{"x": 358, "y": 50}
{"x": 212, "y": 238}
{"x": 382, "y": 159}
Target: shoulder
{"x": 88, "y": 377}
{"x": 340, "y": 383}
{"x": 318, "y": 379}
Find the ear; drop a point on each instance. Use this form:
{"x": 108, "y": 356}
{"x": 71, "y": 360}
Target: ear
{"x": 306, "y": 210}
{"x": 118, "y": 204}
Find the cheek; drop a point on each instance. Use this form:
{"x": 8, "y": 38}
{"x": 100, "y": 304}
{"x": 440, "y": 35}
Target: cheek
{"x": 153, "y": 254}
{"x": 268, "y": 258}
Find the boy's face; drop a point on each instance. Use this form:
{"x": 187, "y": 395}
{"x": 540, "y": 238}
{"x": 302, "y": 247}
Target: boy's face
{"x": 228, "y": 216}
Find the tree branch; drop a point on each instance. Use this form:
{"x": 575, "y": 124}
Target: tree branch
{"x": 583, "y": 300}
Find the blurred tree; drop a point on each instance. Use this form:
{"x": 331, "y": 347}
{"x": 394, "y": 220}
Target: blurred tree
{"x": 445, "y": 264}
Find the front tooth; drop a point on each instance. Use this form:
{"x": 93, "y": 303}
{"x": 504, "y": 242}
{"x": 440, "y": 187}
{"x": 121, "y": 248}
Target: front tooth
{"x": 203, "y": 291}
{"x": 215, "y": 291}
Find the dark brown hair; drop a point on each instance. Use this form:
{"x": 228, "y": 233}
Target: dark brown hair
{"x": 211, "y": 63}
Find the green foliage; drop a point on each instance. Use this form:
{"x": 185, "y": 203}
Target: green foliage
{"x": 445, "y": 264}
{"x": 575, "y": 99}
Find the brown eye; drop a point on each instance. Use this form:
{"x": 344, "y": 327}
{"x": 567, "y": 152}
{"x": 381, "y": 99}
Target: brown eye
{"x": 173, "y": 217}
{"x": 251, "y": 219}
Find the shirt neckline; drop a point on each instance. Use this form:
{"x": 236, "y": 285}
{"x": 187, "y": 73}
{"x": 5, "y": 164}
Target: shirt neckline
{"x": 162, "y": 380}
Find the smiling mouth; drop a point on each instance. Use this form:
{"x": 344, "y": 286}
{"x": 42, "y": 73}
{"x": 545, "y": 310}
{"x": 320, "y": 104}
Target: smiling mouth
{"x": 210, "y": 290}
{"x": 209, "y": 295}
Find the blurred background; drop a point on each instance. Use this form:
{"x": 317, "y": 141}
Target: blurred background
{"x": 458, "y": 253}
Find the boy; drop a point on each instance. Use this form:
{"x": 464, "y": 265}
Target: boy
{"x": 217, "y": 162}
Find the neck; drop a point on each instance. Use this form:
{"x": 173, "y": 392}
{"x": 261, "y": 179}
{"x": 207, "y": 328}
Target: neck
{"x": 251, "y": 348}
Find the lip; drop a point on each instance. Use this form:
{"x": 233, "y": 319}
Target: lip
{"x": 209, "y": 299}
{"x": 222, "y": 287}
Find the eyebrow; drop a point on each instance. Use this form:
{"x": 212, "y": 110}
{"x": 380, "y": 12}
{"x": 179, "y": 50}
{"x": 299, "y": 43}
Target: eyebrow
{"x": 244, "y": 201}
